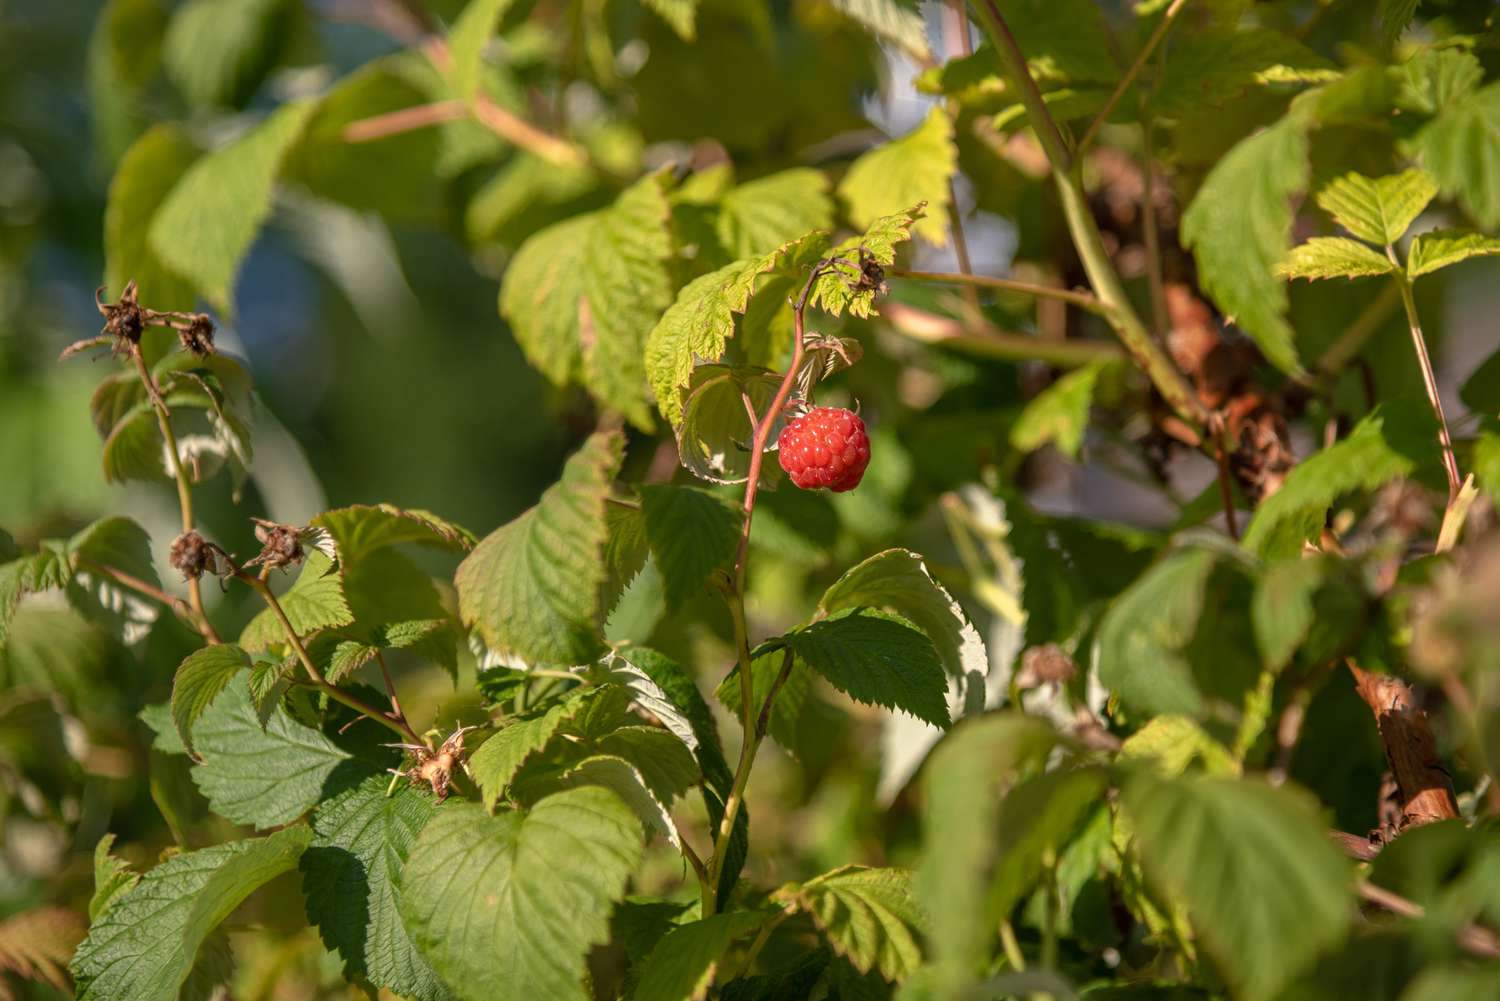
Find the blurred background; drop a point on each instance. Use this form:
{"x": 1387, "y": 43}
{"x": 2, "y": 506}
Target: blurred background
{"x": 384, "y": 372}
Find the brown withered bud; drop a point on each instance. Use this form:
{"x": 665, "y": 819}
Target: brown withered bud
{"x": 123, "y": 320}
{"x": 1045, "y": 665}
{"x": 871, "y": 275}
{"x": 197, "y": 336}
{"x": 189, "y": 555}
{"x": 281, "y": 545}
{"x": 435, "y": 768}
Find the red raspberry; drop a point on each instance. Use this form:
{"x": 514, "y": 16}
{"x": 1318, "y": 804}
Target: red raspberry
{"x": 825, "y": 447}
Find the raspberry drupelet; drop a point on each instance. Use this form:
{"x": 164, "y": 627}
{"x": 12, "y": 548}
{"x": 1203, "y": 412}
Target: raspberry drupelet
{"x": 827, "y": 447}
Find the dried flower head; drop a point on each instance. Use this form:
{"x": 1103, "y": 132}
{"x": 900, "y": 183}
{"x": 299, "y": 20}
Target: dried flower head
{"x": 192, "y": 556}
{"x": 871, "y": 275}
{"x": 123, "y": 320}
{"x": 435, "y": 768}
{"x": 281, "y": 545}
{"x": 197, "y": 335}
{"x": 1043, "y": 665}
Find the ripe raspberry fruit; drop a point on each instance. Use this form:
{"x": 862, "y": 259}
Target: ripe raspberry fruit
{"x": 827, "y": 447}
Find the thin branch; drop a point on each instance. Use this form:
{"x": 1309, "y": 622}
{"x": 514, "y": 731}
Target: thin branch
{"x": 1130, "y": 75}
{"x": 1083, "y": 300}
{"x": 406, "y": 120}
{"x": 1084, "y": 229}
{"x": 1474, "y": 939}
{"x": 1349, "y": 343}
{"x": 390, "y": 685}
{"x": 1226, "y": 488}
{"x": 183, "y": 610}
{"x": 1151, "y": 235}
{"x": 736, "y": 597}
{"x": 506, "y": 125}
{"x": 396, "y": 722}
{"x": 184, "y": 487}
{"x": 1425, "y": 787}
{"x": 763, "y": 723}
{"x": 1429, "y": 381}
{"x": 981, "y": 338}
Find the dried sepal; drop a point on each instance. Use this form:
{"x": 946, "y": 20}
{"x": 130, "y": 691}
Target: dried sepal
{"x": 435, "y": 768}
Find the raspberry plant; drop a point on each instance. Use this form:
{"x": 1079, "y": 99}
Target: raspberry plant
{"x": 1230, "y": 733}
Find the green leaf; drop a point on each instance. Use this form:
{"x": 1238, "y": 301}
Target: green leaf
{"x": 1395, "y": 15}
{"x": 315, "y": 602}
{"x": 665, "y": 763}
{"x": 1211, "y": 66}
{"x": 1461, "y": 148}
{"x": 1390, "y": 442}
{"x": 142, "y": 947}
{"x": 908, "y": 171}
{"x": 696, "y": 327}
{"x": 1238, "y": 228}
{"x": 113, "y": 878}
{"x": 582, "y": 295}
{"x": 898, "y": 581}
{"x": 1172, "y": 743}
{"x": 363, "y": 528}
{"x": 839, "y": 289}
{"x": 877, "y": 659}
{"x": 758, "y": 216}
{"x": 1441, "y": 247}
{"x": 509, "y": 906}
{"x": 532, "y": 588}
{"x": 217, "y": 52}
{"x": 351, "y": 876}
{"x": 869, "y": 916}
{"x": 1038, "y": 817}
{"x": 787, "y": 710}
{"x": 199, "y": 680}
{"x": 714, "y": 430}
{"x": 1282, "y": 610}
{"x": 620, "y": 777}
{"x": 1266, "y": 890}
{"x": 888, "y": 21}
{"x": 682, "y": 15}
{"x": 692, "y": 533}
{"x": 1333, "y": 257}
{"x": 1487, "y": 463}
{"x": 206, "y": 225}
{"x": 146, "y": 175}
{"x": 1452, "y": 982}
{"x": 1378, "y": 210}
{"x": 682, "y": 966}
{"x": 1434, "y": 79}
{"x": 124, "y": 54}
{"x": 265, "y": 776}
{"x": 963, "y": 781}
{"x": 646, "y": 693}
{"x": 498, "y": 759}
{"x": 466, "y": 41}
{"x": 115, "y": 542}
{"x": 1058, "y": 414}
{"x": 1063, "y": 40}
{"x": 1140, "y": 650}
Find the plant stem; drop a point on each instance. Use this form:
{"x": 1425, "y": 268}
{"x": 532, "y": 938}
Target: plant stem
{"x": 980, "y": 338}
{"x": 1083, "y": 300}
{"x": 1429, "y": 381}
{"x": 1151, "y": 236}
{"x": 1130, "y": 74}
{"x": 736, "y": 599}
{"x": 184, "y": 488}
{"x": 396, "y": 722}
{"x": 1085, "y": 231}
{"x": 1226, "y": 489}
{"x": 1013, "y": 954}
{"x": 1475, "y": 939}
{"x": 176, "y": 604}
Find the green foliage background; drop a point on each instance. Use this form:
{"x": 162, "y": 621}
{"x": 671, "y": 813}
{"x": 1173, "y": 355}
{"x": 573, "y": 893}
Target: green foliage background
{"x": 522, "y": 314}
